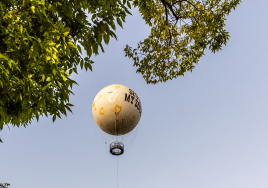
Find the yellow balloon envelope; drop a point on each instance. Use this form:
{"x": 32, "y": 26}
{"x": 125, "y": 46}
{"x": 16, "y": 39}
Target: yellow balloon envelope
{"x": 116, "y": 109}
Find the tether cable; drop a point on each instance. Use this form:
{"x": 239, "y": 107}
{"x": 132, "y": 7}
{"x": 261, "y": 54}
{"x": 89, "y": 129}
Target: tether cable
{"x": 117, "y": 171}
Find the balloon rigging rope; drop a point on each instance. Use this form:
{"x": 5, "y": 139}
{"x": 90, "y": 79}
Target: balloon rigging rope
{"x": 117, "y": 171}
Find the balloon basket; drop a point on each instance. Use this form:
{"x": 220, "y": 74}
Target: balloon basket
{"x": 116, "y": 148}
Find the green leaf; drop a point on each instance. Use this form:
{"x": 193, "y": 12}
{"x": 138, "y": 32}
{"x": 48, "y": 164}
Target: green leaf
{"x": 55, "y": 57}
{"x": 65, "y": 34}
{"x": 43, "y": 77}
{"x": 82, "y": 64}
{"x": 33, "y": 9}
{"x": 52, "y": 44}
{"x": 48, "y": 79}
{"x": 69, "y": 104}
{"x": 45, "y": 88}
{"x": 54, "y": 118}
{"x": 69, "y": 109}
{"x": 71, "y": 44}
{"x": 128, "y": 4}
{"x": 64, "y": 78}
{"x": 21, "y": 29}
{"x": 9, "y": 64}
{"x": 119, "y": 22}
{"x": 79, "y": 49}
{"x": 58, "y": 83}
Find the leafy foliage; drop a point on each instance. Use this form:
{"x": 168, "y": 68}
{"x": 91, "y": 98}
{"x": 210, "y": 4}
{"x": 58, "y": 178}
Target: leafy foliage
{"x": 40, "y": 47}
{"x": 180, "y": 32}
{"x": 41, "y": 44}
{"x": 4, "y": 185}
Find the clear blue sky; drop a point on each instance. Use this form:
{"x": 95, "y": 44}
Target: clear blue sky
{"x": 207, "y": 129}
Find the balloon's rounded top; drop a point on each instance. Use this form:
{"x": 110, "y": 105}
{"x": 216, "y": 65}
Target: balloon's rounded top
{"x": 116, "y": 109}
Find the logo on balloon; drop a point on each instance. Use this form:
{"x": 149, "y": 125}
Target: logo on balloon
{"x": 133, "y": 118}
{"x": 112, "y": 97}
{"x": 94, "y": 106}
{"x": 102, "y": 111}
{"x": 133, "y": 98}
{"x": 117, "y": 109}
{"x": 117, "y": 86}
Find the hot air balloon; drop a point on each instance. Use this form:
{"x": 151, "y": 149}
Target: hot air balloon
{"x": 116, "y": 110}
